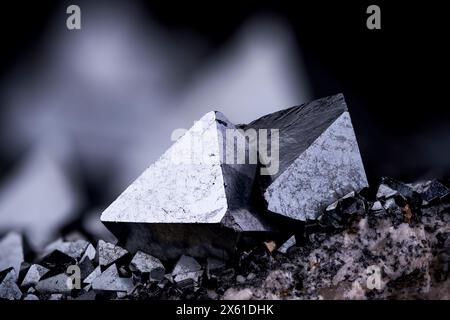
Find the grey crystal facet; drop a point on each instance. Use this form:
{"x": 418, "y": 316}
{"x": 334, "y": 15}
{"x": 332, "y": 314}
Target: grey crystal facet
{"x": 55, "y": 284}
{"x": 34, "y": 274}
{"x": 390, "y": 187}
{"x": 86, "y": 268}
{"x": 186, "y": 264}
{"x": 319, "y": 158}
{"x": 186, "y": 271}
{"x": 287, "y": 245}
{"x": 431, "y": 191}
{"x": 74, "y": 249}
{"x": 385, "y": 192}
{"x": 11, "y": 252}
{"x": 89, "y": 254}
{"x": 109, "y": 253}
{"x": 110, "y": 280}
{"x": 94, "y": 274}
{"x": 57, "y": 262}
{"x": 147, "y": 264}
{"x": 8, "y": 287}
{"x": 377, "y": 206}
{"x": 190, "y": 201}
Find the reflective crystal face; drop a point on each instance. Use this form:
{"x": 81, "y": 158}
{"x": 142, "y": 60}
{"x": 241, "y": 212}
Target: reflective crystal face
{"x": 191, "y": 183}
{"x": 319, "y": 158}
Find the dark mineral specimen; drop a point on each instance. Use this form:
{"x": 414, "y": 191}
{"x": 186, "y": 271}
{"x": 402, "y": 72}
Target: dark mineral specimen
{"x": 109, "y": 253}
{"x": 146, "y": 264}
{"x": 11, "y": 252}
{"x": 197, "y": 199}
{"x": 34, "y": 274}
{"x": 190, "y": 201}
{"x": 319, "y": 158}
{"x": 8, "y": 287}
{"x": 287, "y": 245}
{"x": 109, "y": 280}
{"x": 55, "y": 284}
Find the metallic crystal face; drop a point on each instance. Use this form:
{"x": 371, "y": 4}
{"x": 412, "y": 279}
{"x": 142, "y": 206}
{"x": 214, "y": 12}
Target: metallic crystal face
{"x": 109, "y": 280}
{"x": 8, "y": 287}
{"x": 193, "y": 190}
{"x": 147, "y": 264}
{"x": 55, "y": 284}
{"x": 327, "y": 170}
{"x": 194, "y": 201}
{"x": 34, "y": 274}
{"x": 175, "y": 190}
{"x": 188, "y": 184}
{"x": 319, "y": 158}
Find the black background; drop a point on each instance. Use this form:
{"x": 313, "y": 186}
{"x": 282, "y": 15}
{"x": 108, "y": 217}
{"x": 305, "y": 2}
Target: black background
{"x": 394, "y": 79}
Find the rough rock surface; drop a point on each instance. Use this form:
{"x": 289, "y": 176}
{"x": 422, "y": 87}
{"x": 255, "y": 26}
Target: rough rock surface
{"x": 93, "y": 275}
{"x": 187, "y": 270}
{"x": 394, "y": 246}
{"x": 370, "y": 255}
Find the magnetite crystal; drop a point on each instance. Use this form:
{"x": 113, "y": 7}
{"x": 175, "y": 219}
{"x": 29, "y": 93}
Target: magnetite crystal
{"x": 34, "y": 274}
{"x": 189, "y": 201}
{"x": 197, "y": 198}
{"x": 109, "y": 253}
{"x": 55, "y": 284}
{"x": 109, "y": 280}
{"x": 8, "y": 287}
{"x": 146, "y": 264}
{"x": 319, "y": 158}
